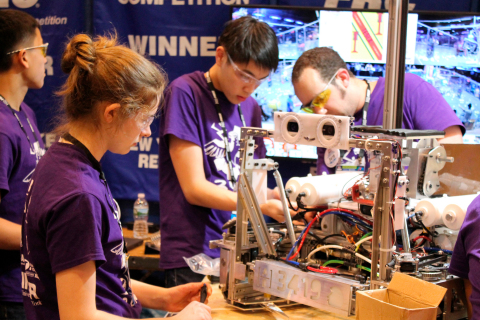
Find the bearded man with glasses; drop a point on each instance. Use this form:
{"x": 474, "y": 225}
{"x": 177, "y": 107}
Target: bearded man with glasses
{"x": 22, "y": 67}
{"x": 199, "y": 144}
{"x": 324, "y": 85}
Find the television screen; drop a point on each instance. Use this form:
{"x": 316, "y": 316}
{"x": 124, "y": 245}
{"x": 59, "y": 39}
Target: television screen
{"x": 442, "y": 48}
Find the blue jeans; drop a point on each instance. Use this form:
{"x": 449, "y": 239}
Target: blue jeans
{"x": 178, "y": 276}
{"x": 12, "y": 311}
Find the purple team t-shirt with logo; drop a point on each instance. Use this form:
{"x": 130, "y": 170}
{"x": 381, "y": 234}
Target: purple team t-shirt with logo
{"x": 424, "y": 108}
{"x": 17, "y": 163}
{"x": 465, "y": 261}
{"x": 70, "y": 219}
{"x": 190, "y": 115}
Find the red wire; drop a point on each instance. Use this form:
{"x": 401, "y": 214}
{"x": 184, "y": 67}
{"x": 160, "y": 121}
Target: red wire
{"x": 349, "y": 212}
{"x": 320, "y": 214}
{"x": 323, "y": 270}
{"x": 305, "y": 235}
{"x": 422, "y": 237}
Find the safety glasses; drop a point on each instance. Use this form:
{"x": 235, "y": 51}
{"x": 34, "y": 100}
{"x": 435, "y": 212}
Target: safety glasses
{"x": 42, "y": 47}
{"x": 320, "y": 99}
{"x": 245, "y": 77}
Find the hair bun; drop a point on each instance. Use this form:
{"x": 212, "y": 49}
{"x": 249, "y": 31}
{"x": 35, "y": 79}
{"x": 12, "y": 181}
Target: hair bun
{"x": 80, "y": 52}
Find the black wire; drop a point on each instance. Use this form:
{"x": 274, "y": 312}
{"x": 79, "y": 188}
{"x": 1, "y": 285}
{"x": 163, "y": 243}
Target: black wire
{"x": 310, "y": 233}
{"x": 290, "y": 203}
{"x": 332, "y": 235}
{"x": 419, "y": 220}
{"x": 299, "y": 200}
{"x": 278, "y": 232}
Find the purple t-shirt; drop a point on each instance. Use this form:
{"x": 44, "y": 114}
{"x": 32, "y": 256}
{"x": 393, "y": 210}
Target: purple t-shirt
{"x": 190, "y": 114}
{"x": 70, "y": 219}
{"x": 466, "y": 255}
{"x": 424, "y": 108}
{"x": 17, "y": 163}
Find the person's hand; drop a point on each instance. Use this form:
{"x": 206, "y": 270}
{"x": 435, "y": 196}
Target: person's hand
{"x": 181, "y": 296}
{"x": 273, "y": 208}
{"x": 275, "y": 194}
{"x": 195, "y": 311}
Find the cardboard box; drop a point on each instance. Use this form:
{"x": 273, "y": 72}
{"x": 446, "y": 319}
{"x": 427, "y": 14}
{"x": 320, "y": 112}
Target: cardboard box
{"x": 406, "y": 297}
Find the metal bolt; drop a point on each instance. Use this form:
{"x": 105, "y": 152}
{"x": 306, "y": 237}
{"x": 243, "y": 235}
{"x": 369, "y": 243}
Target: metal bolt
{"x": 385, "y": 169}
{"x": 385, "y": 180}
{"x": 386, "y": 158}
{"x": 250, "y": 144}
{"x": 369, "y": 145}
{"x": 360, "y": 144}
{"x": 449, "y": 217}
{"x": 379, "y": 145}
{"x": 249, "y": 131}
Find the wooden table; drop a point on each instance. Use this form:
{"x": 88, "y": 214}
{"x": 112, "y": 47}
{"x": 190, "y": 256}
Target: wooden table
{"x": 138, "y": 260}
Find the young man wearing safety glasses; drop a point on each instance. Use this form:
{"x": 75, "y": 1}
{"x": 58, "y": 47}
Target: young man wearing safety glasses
{"x": 22, "y": 67}
{"x": 199, "y": 144}
{"x": 324, "y": 85}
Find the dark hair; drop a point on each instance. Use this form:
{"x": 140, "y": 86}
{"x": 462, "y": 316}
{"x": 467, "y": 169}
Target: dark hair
{"x": 104, "y": 71}
{"x": 248, "y": 39}
{"x": 16, "y": 28}
{"x": 325, "y": 60}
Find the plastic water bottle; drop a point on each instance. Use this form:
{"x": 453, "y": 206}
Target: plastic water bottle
{"x": 140, "y": 216}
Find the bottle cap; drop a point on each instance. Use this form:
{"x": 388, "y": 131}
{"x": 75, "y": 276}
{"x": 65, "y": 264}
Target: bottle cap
{"x": 141, "y": 195}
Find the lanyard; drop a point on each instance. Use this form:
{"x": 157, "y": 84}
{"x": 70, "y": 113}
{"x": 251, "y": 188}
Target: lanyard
{"x": 96, "y": 165}
{"x": 228, "y": 155}
{"x": 367, "y": 103}
{"x": 21, "y": 125}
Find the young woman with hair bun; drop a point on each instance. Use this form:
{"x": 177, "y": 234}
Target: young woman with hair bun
{"x": 74, "y": 264}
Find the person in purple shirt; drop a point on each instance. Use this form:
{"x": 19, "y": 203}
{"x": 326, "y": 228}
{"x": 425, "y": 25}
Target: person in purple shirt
{"x": 198, "y": 159}
{"x": 465, "y": 261}
{"x": 321, "y": 71}
{"x": 73, "y": 258}
{"x": 22, "y": 67}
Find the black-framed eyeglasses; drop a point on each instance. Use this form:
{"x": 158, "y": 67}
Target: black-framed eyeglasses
{"x": 42, "y": 47}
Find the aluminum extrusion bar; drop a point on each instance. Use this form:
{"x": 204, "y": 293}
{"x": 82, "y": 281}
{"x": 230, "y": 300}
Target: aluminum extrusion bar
{"x": 250, "y": 205}
{"x": 395, "y": 66}
{"x": 286, "y": 212}
{"x": 405, "y": 236}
